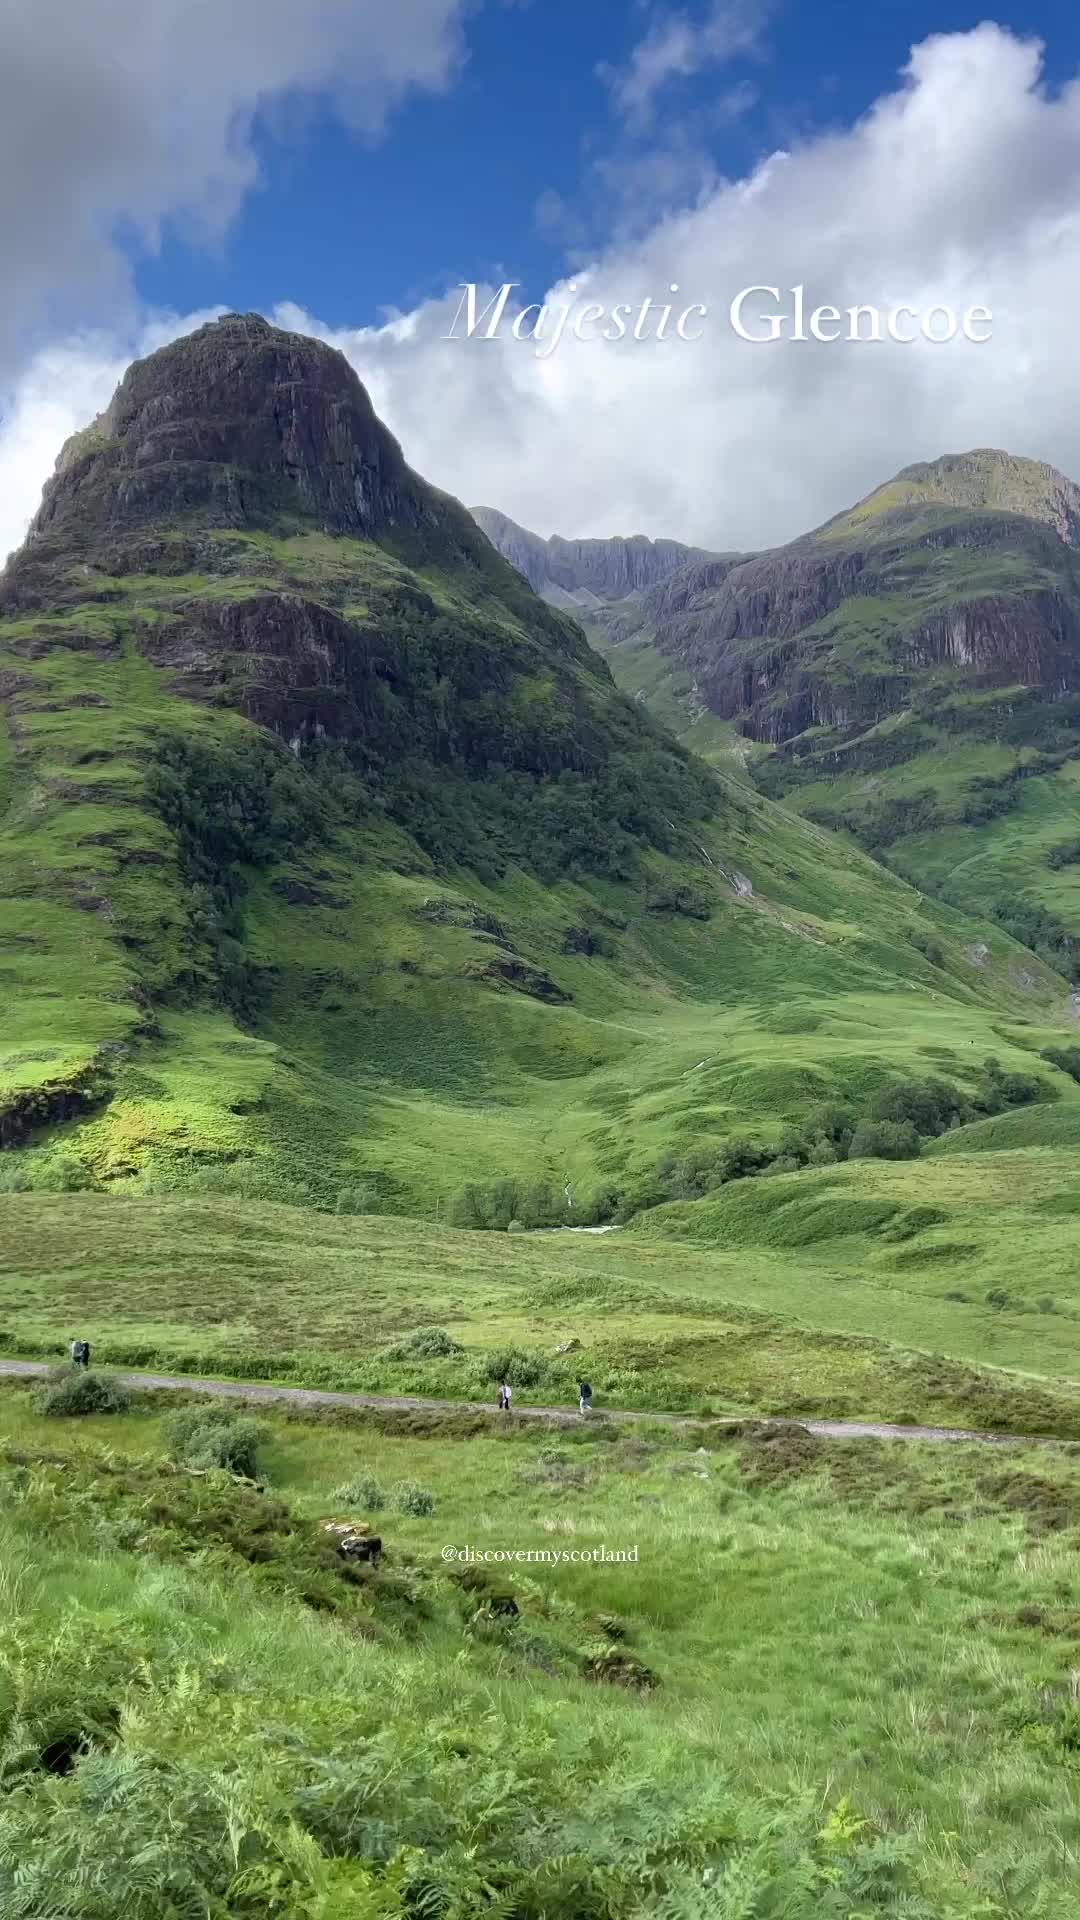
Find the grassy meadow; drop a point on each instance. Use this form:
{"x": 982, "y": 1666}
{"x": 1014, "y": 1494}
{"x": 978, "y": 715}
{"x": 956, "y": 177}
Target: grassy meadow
{"x": 836, "y": 1680}
{"x": 942, "y": 1291}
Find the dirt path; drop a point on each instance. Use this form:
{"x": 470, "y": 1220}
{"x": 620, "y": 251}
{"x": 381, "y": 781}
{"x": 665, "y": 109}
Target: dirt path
{"x": 562, "y": 1416}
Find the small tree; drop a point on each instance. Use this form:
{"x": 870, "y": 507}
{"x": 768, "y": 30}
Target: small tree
{"x": 885, "y": 1140}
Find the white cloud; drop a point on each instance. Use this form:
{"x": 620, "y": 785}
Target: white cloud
{"x": 122, "y": 113}
{"x": 963, "y": 185}
{"x": 676, "y": 47}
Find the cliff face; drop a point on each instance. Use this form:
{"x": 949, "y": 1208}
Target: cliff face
{"x": 238, "y": 421}
{"x": 238, "y": 426}
{"x": 598, "y": 569}
{"x": 847, "y": 626}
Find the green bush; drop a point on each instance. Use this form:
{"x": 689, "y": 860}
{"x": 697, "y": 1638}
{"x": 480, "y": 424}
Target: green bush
{"x": 823, "y": 1154}
{"x": 36, "y": 1172}
{"x": 361, "y": 1491}
{"x": 1065, "y": 854}
{"x": 215, "y": 1437}
{"x": 927, "y": 1105}
{"x": 1067, "y": 1058}
{"x": 515, "y": 1364}
{"x": 836, "y": 1124}
{"x": 885, "y": 1140}
{"x": 410, "y": 1498}
{"x": 68, "y": 1391}
{"x": 426, "y": 1343}
{"x": 355, "y": 1200}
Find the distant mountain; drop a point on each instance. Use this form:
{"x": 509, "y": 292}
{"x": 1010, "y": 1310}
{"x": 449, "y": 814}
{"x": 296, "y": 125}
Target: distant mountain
{"x": 621, "y": 589}
{"x": 584, "y": 573}
{"x": 976, "y": 481}
{"x": 914, "y": 665}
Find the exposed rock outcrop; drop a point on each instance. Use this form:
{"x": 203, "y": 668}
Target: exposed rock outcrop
{"x": 566, "y": 570}
{"x": 237, "y": 425}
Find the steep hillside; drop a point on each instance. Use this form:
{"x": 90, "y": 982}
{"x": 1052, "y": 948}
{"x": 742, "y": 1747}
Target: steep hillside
{"x": 333, "y": 863}
{"x": 620, "y": 590}
{"x": 910, "y": 673}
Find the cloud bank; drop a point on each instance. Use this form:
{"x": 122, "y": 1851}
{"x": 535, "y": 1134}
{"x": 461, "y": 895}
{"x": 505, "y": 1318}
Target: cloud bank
{"x": 118, "y": 115}
{"x": 960, "y": 186}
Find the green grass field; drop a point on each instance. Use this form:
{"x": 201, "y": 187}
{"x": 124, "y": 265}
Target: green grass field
{"x": 848, "y": 1679}
{"x": 859, "y": 1291}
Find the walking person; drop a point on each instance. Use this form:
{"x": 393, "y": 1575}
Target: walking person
{"x": 80, "y": 1353}
{"x": 584, "y": 1396}
{"x": 505, "y": 1396}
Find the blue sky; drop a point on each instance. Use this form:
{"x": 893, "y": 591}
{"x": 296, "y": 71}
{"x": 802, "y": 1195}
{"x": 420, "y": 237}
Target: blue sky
{"x": 329, "y": 162}
{"x": 450, "y": 192}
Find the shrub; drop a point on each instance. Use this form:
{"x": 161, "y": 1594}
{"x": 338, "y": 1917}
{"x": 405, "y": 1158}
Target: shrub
{"x": 426, "y": 1343}
{"x": 822, "y": 1154}
{"x": 836, "y": 1124}
{"x": 885, "y": 1140}
{"x": 355, "y": 1200}
{"x": 1065, "y": 854}
{"x": 410, "y": 1498}
{"x": 516, "y": 1364}
{"x": 73, "y": 1390}
{"x": 691, "y": 901}
{"x": 1067, "y": 1058}
{"x": 214, "y": 1437}
{"x": 361, "y": 1491}
{"x": 931, "y": 949}
{"x": 929, "y": 1106}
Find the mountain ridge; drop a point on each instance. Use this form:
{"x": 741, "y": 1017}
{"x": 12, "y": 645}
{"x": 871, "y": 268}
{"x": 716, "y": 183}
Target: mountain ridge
{"x": 583, "y": 572}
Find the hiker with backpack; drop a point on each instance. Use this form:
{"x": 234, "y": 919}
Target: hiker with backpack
{"x": 505, "y": 1397}
{"x": 80, "y": 1353}
{"x": 584, "y": 1396}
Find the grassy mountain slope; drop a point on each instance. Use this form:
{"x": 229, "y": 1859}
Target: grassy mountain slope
{"x": 332, "y": 857}
{"x": 618, "y": 589}
{"x": 914, "y": 670}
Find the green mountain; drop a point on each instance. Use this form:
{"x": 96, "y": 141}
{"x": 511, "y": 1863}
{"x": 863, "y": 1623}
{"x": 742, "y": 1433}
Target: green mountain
{"x": 908, "y": 674}
{"x": 617, "y": 588}
{"x": 334, "y": 865}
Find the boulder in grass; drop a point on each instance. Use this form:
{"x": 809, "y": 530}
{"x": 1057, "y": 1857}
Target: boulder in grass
{"x": 355, "y": 1540}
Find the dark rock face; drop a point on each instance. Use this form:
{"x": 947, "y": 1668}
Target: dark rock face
{"x": 776, "y": 595}
{"x": 287, "y": 662}
{"x": 607, "y": 569}
{"x": 237, "y": 425}
{"x": 840, "y": 629}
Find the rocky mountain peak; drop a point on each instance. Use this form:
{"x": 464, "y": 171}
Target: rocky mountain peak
{"x": 238, "y": 424}
{"x": 985, "y": 479}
